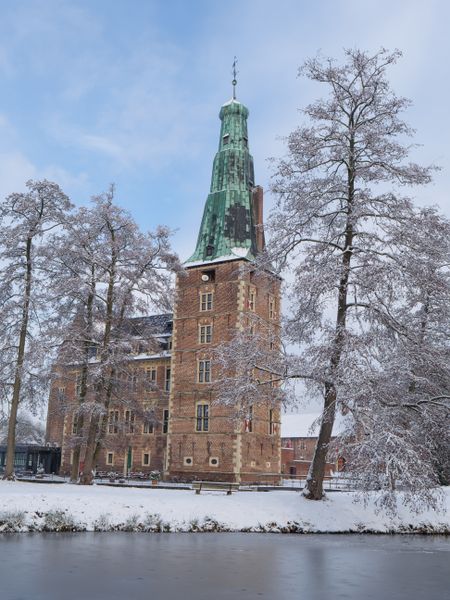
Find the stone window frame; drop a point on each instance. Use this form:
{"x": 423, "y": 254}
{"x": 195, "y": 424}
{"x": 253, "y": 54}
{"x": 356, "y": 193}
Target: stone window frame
{"x": 109, "y": 462}
{"x": 149, "y": 425}
{"x": 113, "y": 421}
{"x": 251, "y": 298}
{"x": 167, "y": 378}
{"x": 151, "y": 375}
{"x": 144, "y": 454}
{"x": 248, "y": 422}
{"x": 206, "y": 301}
{"x": 204, "y": 371}
{"x": 75, "y": 417}
{"x": 129, "y": 419}
{"x": 203, "y": 331}
{"x": 202, "y": 417}
{"x": 271, "y": 421}
{"x": 78, "y": 378}
{"x": 165, "y": 422}
{"x": 272, "y": 306}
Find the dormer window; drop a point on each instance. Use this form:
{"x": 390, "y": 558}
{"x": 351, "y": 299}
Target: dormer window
{"x": 226, "y": 138}
{"x": 245, "y": 140}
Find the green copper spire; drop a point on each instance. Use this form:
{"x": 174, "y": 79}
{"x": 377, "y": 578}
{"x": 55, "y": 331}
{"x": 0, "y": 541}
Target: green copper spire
{"x": 227, "y": 229}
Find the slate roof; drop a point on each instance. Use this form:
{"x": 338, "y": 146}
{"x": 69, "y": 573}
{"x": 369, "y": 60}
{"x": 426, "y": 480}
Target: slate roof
{"x": 153, "y": 325}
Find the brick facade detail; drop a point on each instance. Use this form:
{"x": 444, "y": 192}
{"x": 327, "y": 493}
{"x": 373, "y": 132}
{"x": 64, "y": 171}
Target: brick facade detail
{"x": 225, "y": 451}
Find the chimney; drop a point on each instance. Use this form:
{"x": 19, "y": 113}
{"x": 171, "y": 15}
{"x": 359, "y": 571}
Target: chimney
{"x": 258, "y": 207}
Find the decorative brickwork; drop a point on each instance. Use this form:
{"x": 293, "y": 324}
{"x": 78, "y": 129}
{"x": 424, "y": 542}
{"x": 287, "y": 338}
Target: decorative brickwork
{"x": 241, "y": 455}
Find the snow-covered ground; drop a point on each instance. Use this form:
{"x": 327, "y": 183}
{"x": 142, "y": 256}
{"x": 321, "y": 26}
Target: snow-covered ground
{"x": 32, "y": 506}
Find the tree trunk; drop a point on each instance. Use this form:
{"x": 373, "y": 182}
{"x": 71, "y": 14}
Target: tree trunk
{"x": 75, "y": 471}
{"x": 11, "y": 445}
{"x": 87, "y": 476}
{"x": 75, "y": 468}
{"x": 314, "y": 482}
{"x": 91, "y": 442}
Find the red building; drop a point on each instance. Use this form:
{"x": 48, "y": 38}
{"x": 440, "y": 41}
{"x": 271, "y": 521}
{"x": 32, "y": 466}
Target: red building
{"x": 298, "y": 441}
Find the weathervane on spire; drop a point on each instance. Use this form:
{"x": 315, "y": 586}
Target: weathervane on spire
{"x": 234, "y": 82}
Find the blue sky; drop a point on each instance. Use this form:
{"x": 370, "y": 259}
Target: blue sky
{"x": 102, "y": 91}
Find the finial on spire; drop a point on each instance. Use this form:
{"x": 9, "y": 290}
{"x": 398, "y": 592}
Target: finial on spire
{"x": 234, "y": 82}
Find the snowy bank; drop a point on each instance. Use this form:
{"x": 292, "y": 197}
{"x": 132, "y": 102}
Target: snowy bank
{"x": 52, "y": 507}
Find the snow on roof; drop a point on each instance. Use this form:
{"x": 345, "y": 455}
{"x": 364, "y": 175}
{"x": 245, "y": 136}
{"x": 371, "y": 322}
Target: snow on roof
{"x": 234, "y": 256}
{"x": 306, "y": 425}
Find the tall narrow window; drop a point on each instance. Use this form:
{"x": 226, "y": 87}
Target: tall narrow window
{"x": 272, "y": 307}
{"x": 204, "y": 371}
{"x": 272, "y": 424}
{"x": 113, "y": 423}
{"x": 78, "y": 385}
{"x": 202, "y": 417}
{"x": 61, "y": 394}
{"x": 145, "y": 459}
{"x": 167, "y": 380}
{"x": 248, "y": 422}
{"x": 151, "y": 375}
{"x": 165, "y": 420}
{"x": 75, "y": 423}
{"x": 206, "y": 301}
{"x": 110, "y": 458}
{"x": 129, "y": 421}
{"x": 205, "y": 334}
{"x": 148, "y": 427}
{"x": 251, "y": 299}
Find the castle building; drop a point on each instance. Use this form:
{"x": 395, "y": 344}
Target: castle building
{"x": 192, "y": 435}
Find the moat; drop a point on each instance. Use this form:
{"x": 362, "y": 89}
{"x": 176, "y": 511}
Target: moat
{"x": 113, "y": 566}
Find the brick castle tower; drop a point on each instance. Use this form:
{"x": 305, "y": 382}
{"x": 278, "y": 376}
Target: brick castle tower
{"x": 219, "y": 295}
{"x": 191, "y": 435}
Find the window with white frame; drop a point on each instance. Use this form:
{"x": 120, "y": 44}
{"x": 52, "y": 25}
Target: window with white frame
{"x": 110, "y": 458}
{"x": 150, "y": 374}
{"x": 129, "y": 421}
{"x": 113, "y": 422}
{"x": 204, "y": 371}
{"x": 272, "y": 307}
{"x": 248, "y": 422}
{"x": 206, "y": 301}
{"x": 145, "y": 459}
{"x": 148, "y": 426}
{"x": 133, "y": 381}
{"x": 202, "y": 416}
{"x": 78, "y": 379}
{"x": 205, "y": 334}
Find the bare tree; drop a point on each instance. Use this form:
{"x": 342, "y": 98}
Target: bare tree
{"x": 399, "y": 390}
{"x": 329, "y": 224}
{"x": 26, "y": 220}
{"x": 117, "y": 272}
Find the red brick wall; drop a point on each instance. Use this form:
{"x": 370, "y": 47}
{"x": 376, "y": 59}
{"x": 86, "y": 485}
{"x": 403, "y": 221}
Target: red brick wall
{"x": 240, "y": 456}
{"x": 296, "y": 456}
